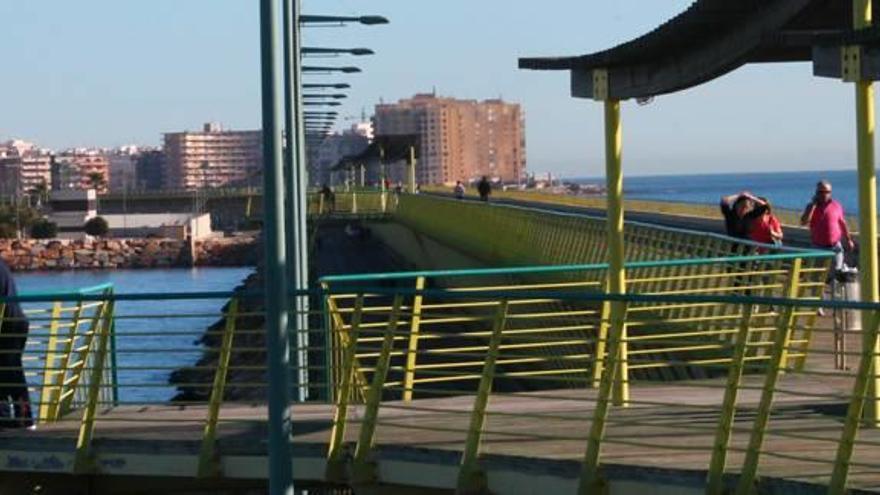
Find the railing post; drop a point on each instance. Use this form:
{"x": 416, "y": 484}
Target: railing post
{"x": 82, "y": 457}
{"x": 67, "y": 398}
{"x": 787, "y": 317}
{"x": 861, "y": 387}
{"x": 363, "y": 471}
{"x": 590, "y": 480}
{"x": 411, "y": 175}
{"x": 335, "y": 465}
{"x": 615, "y": 229}
{"x": 762, "y": 415}
{"x": 728, "y": 406}
{"x": 413, "y": 346}
{"x": 207, "y": 463}
{"x": 601, "y": 338}
{"x": 51, "y": 383}
{"x": 470, "y": 478}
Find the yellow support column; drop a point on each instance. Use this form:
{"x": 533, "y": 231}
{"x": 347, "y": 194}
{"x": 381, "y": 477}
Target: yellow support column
{"x": 412, "y": 170}
{"x": 862, "y": 18}
{"x": 616, "y": 273}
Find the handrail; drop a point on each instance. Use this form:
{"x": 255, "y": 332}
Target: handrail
{"x": 636, "y": 223}
{"x": 810, "y": 254}
{"x": 82, "y": 290}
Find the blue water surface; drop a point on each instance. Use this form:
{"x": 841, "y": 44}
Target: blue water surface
{"x": 172, "y": 341}
{"x": 790, "y": 190}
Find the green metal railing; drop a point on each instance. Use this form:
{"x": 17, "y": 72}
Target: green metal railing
{"x": 509, "y": 235}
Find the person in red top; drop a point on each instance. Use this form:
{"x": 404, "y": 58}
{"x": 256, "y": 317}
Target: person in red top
{"x": 766, "y": 229}
{"x": 827, "y": 222}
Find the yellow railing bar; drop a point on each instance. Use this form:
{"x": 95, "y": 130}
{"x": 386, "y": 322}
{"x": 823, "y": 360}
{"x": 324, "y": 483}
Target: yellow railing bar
{"x": 335, "y": 467}
{"x": 82, "y": 457}
{"x": 208, "y": 465}
{"x": 413, "y": 342}
{"x": 362, "y": 471}
{"x": 50, "y": 378}
{"x": 470, "y": 479}
{"x": 718, "y": 462}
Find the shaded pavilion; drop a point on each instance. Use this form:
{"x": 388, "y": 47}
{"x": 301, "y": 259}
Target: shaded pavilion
{"x": 708, "y": 40}
{"x": 382, "y": 151}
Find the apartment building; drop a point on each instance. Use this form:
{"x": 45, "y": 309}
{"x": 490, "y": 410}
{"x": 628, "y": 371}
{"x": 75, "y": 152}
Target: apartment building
{"x": 81, "y": 169}
{"x": 459, "y": 139}
{"x": 23, "y": 167}
{"x": 212, "y": 158}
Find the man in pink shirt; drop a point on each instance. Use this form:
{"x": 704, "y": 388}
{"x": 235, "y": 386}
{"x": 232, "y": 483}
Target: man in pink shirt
{"x": 828, "y": 229}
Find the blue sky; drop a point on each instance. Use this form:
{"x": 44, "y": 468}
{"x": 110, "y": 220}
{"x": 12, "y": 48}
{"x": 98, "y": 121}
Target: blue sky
{"x": 111, "y": 72}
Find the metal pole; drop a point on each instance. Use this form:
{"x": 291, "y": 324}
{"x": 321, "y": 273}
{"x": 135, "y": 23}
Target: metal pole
{"x": 862, "y": 18}
{"x": 292, "y": 230}
{"x": 301, "y": 195}
{"x": 275, "y": 270}
{"x": 412, "y": 170}
{"x": 616, "y": 273}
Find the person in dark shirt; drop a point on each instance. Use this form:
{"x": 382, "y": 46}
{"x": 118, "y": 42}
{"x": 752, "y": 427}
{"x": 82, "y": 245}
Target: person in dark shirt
{"x": 13, "y": 335}
{"x": 739, "y": 211}
{"x": 484, "y": 188}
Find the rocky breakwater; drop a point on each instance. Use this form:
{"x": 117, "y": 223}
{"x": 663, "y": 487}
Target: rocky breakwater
{"x": 62, "y": 254}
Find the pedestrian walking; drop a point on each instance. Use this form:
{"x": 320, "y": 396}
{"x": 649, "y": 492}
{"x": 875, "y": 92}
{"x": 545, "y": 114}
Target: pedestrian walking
{"x": 15, "y": 404}
{"x": 828, "y": 230}
{"x": 827, "y": 222}
{"x": 484, "y": 188}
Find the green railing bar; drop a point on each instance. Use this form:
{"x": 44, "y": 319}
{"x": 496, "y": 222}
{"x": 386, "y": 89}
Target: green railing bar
{"x": 812, "y": 254}
{"x": 634, "y": 223}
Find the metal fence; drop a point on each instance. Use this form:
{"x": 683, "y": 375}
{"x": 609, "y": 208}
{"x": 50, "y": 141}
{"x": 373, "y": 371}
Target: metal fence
{"x": 721, "y": 366}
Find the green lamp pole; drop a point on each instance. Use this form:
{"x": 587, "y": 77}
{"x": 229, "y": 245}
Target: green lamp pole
{"x": 275, "y": 271}
{"x": 295, "y": 176}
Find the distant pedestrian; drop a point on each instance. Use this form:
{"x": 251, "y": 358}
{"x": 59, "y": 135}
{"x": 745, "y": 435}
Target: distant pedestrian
{"x": 15, "y": 404}
{"x": 827, "y": 222}
{"x": 329, "y": 199}
{"x": 739, "y": 211}
{"x": 484, "y": 188}
{"x": 766, "y": 229}
{"x": 458, "y": 191}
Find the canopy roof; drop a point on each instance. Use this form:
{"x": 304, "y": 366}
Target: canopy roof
{"x": 385, "y": 148}
{"x": 708, "y": 40}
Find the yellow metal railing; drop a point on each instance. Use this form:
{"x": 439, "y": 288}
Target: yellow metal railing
{"x": 361, "y": 203}
{"x": 729, "y": 372}
{"x": 740, "y": 392}
{"x": 60, "y": 350}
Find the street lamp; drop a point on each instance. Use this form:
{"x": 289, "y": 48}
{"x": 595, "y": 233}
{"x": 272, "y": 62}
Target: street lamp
{"x": 311, "y": 50}
{"x": 327, "y": 70}
{"x": 321, "y": 103}
{"x": 326, "y": 86}
{"x": 335, "y": 96}
{"x": 367, "y": 20}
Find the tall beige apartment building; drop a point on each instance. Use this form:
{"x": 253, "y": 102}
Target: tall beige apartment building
{"x": 212, "y": 158}
{"x": 459, "y": 139}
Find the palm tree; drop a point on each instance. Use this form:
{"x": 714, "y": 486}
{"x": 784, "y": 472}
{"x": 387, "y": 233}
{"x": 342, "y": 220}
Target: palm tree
{"x": 96, "y": 180}
{"x": 41, "y": 191}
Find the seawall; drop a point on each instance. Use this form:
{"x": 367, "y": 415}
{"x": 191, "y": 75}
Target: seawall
{"x": 62, "y": 254}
